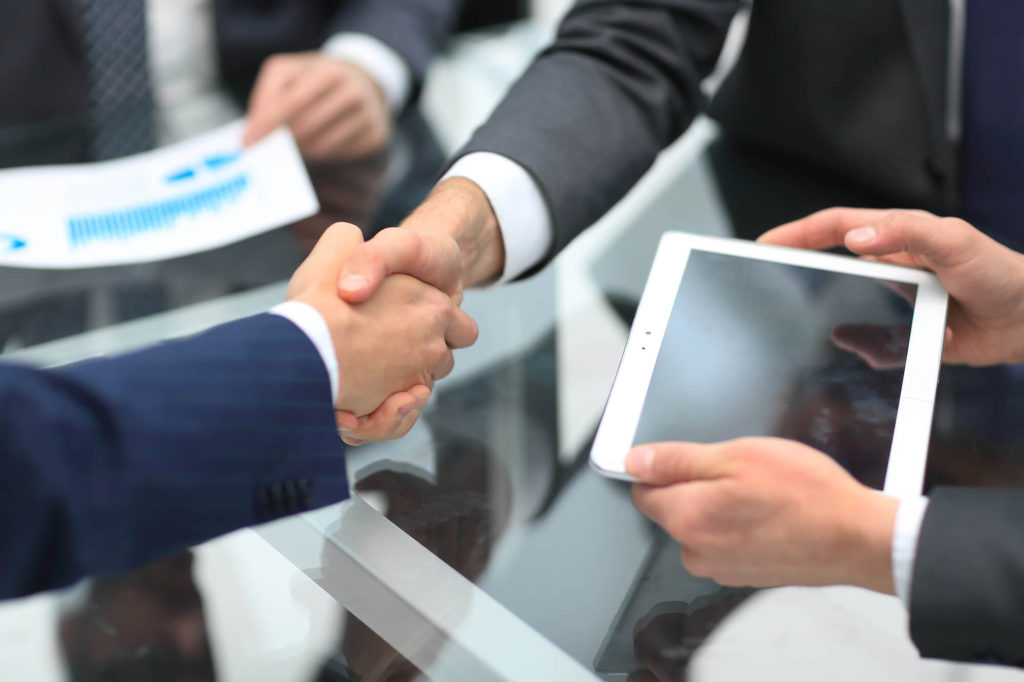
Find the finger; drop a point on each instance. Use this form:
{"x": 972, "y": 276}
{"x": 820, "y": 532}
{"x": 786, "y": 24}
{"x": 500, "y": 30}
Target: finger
{"x": 822, "y": 230}
{"x": 904, "y": 259}
{"x": 669, "y": 506}
{"x": 430, "y": 257}
{"x": 346, "y": 421}
{"x": 937, "y": 243}
{"x": 443, "y": 367}
{"x": 674, "y": 462}
{"x": 326, "y": 112}
{"x": 351, "y": 138}
{"x": 274, "y": 76}
{"x": 336, "y": 241}
{"x": 392, "y": 419}
{"x": 291, "y": 97}
{"x": 463, "y": 330}
{"x": 330, "y": 251}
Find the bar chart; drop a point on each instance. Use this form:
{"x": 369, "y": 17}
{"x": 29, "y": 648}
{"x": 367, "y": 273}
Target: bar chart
{"x": 161, "y": 215}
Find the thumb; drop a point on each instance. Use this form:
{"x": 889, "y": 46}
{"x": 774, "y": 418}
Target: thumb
{"x": 334, "y": 245}
{"x": 669, "y": 463}
{"x": 326, "y": 258}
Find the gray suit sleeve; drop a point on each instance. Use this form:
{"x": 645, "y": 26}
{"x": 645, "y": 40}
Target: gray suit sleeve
{"x": 415, "y": 29}
{"x": 967, "y": 594}
{"x": 620, "y": 82}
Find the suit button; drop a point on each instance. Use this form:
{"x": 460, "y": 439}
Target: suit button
{"x": 289, "y": 502}
{"x": 305, "y": 493}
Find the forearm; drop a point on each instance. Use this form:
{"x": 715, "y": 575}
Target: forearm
{"x": 590, "y": 116}
{"x": 123, "y": 460}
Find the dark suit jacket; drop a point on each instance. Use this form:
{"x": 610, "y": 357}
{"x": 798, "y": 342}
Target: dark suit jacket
{"x": 110, "y": 463}
{"x": 856, "y": 88}
{"x": 967, "y": 594}
{"x": 43, "y": 82}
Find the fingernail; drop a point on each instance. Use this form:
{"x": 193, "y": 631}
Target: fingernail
{"x": 352, "y": 282}
{"x": 344, "y": 429}
{"x": 862, "y": 235}
{"x": 406, "y": 410}
{"x": 638, "y": 461}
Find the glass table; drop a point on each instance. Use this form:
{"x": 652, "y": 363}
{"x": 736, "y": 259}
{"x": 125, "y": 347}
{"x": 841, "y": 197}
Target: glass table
{"x": 482, "y": 546}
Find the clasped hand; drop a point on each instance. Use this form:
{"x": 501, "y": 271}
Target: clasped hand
{"x": 393, "y": 344}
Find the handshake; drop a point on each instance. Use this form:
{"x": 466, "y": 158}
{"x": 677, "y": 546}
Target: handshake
{"x": 392, "y": 308}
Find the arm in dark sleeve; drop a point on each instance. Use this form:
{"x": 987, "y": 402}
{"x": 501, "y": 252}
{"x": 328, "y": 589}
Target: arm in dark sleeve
{"x": 416, "y": 29}
{"x": 967, "y": 594}
{"x": 621, "y": 81}
{"x": 111, "y": 463}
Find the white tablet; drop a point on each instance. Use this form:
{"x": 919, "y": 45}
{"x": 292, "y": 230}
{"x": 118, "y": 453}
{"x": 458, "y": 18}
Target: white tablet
{"x": 733, "y": 338}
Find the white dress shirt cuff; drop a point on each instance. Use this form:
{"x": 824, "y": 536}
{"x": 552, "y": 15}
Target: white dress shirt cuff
{"x": 517, "y": 203}
{"x": 383, "y": 64}
{"x": 905, "y": 531}
{"x": 312, "y": 324}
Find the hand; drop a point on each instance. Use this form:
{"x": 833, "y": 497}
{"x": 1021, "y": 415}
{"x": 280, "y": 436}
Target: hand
{"x": 458, "y": 211}
{"x": 984, "y": 278}
{"x": 400, "y": 338}
{"x": 335, "y": 109}
{"x": 764, "y": 512}
{"x": 666, "y": 639}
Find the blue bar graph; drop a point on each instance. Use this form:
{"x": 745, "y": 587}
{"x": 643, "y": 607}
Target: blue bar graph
{"x": 127, "y": 223}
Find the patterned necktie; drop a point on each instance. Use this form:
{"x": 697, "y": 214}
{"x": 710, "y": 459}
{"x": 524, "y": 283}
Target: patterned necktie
{"x": 992, "y": 152}
{"x": 114, "y": 36}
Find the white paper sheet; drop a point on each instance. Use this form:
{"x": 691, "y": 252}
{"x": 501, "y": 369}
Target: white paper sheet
{"x": 194, "y": 196}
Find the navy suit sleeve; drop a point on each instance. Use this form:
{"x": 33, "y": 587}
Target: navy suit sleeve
{"x": 111, "y": 463}
{"x": 967, "y": 593}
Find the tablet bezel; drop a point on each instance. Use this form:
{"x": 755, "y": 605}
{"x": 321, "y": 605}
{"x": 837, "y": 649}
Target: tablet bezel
{"x": 908, "y": 453}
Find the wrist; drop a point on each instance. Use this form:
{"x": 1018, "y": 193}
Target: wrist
{"x": 460, "y": 209}
{"x": 869, "y": 541}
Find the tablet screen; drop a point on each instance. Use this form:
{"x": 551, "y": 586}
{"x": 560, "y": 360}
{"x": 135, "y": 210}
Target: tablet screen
{"x": 755, "y": 348}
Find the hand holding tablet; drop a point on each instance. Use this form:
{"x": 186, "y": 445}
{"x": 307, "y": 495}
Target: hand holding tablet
{"x": 733, "y": 338}
{"x": 770, "y": 511}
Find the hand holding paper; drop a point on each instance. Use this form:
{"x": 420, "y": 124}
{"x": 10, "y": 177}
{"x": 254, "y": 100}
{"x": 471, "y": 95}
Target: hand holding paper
{"x": 194, "y": 196}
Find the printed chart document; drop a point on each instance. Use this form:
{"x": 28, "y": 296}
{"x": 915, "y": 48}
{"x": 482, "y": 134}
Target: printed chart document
{"x": 193, "y": 196}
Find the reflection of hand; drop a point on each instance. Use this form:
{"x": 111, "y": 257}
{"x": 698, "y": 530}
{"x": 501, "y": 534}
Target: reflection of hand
{"x": 881, "y": 346}
{"x": 666, "y": 641}
{"x": 984, "y": 278}
{"x": 400, "y": 338}
{"x": 370, "y": 657}
{"x": 765, "y": 512}
{"x": 456, "y": 208}
{"x": 335, "y": 109}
